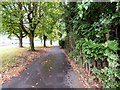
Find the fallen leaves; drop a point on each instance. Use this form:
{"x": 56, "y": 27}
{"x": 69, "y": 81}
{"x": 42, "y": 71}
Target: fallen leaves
{"x": 33, "y": 86}
{"x": 51, "y": 67}
{"x": 36, "y": 84}
{"x": 45, "y": 61}
{"x": 25, "y": 59}
{"x": 84, "y": 77}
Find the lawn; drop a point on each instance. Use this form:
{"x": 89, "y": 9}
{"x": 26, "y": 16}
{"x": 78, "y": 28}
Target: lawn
{"x": 15, "y": 60}
{"x": 9, "y": 57}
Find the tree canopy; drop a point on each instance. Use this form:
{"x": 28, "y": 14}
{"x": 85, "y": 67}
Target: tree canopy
{"x": 31, "y": 19}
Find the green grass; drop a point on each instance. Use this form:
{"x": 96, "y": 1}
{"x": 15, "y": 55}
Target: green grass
{"x": 8, "y": 57}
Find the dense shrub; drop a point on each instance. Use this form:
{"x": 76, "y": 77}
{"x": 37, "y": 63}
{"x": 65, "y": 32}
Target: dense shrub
{"x": 62, "y": 43}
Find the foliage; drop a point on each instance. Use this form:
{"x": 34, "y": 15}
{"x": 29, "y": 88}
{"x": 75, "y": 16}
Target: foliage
{"x": 90, "y": 30}
{"x": 62, "y": 43}
{"x": 97, "y": 39}
{"x": 110, "y": 77}
{"x": 91, "y": 51}
{"x": 49, "y": 25}
{"x": 11, "y": 15}
{"x": 32, "y": 19}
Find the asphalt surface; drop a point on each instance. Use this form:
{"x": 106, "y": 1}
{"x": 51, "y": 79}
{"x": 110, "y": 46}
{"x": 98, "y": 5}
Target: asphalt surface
{"x": 52, "y": 70}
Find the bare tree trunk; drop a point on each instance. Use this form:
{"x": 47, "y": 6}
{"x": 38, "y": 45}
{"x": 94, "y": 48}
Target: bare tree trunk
{"x": 44, "y": 37}
{"x": 31, "y": 37}
{"x": 20, "y": 39}
{"x": 20, "y": 42}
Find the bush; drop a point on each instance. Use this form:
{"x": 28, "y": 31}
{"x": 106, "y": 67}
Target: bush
{"x": 92, "y": 51}
{"x": 62, "y": 43}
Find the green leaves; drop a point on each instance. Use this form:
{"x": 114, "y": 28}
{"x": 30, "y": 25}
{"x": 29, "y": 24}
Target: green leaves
{"x": 113, "y": 45}
{"x": 50, "y": 21}
{"x": 108, "y": 76}
{"x": 96, "y": 37}
{"x": 92, "y": 51}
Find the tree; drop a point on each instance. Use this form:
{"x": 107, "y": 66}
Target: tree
{"x": 68, "y": 16}
{"x": 11, "y": 16}
{"x": 25, "y": 18}
{"x": 49, "y": 26}
{"x": 31, "y": 18}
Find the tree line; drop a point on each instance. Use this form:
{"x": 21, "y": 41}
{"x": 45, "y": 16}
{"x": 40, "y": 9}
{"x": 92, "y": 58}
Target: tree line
{"x": 32, "y": 19}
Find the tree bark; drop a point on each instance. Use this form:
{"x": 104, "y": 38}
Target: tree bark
{"x": 31, "y": 37}
{"x": 20, "y": 42}
{"x": 20, "y": 39}
{"x": 44, "y": 37}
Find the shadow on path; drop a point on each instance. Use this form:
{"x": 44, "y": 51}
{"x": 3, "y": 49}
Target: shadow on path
{"x": 52, "y": 70}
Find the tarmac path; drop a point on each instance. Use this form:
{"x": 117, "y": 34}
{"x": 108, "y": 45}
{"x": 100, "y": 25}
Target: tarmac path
{"x": 52, "y": 70}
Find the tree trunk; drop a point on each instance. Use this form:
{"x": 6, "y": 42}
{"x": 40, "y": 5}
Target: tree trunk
{"x": 31, "y": 37}
{"x": 44, "y": 37}
{"x": 20, "y": 42}
{"x": 20, "y": 39}
{"x": 50, "y": 42}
